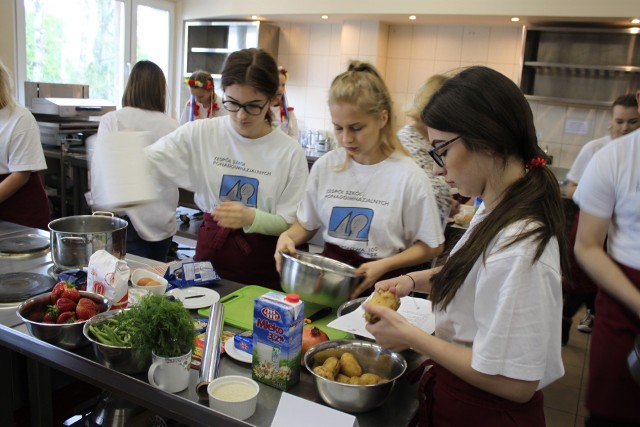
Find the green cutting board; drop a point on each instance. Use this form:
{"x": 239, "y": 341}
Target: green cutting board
{"x": 238, "y": 311}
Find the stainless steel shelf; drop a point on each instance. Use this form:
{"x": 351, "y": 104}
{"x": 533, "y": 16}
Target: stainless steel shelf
{"x": 611, "y": 68}
{"x": 569, "y": 102}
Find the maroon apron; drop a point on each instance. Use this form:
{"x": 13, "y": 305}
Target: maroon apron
{"x": 29, "y": 206}
{"x": 246, "y": 258}
{"x": 354, "y": 259}
{"x": 446, "y": 400}
{"x": 611, "y": 392}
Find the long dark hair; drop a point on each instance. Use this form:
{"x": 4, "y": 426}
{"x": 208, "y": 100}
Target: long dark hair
{"x": 492, "y": 115}
{"x": 146, "y": 88}
{"x": 255, "y": 68}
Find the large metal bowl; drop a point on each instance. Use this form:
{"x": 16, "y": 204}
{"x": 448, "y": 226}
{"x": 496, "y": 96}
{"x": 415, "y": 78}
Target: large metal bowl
{"x": 121, "y": 359}
{"x": 372, "y": 357}
{"x": 318, "y": 279}
{"x": 69, "y": 335}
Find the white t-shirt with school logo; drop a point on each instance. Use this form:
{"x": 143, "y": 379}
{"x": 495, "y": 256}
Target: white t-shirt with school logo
{"x": 376, "y": 210}
{"x": 214, "y": 161}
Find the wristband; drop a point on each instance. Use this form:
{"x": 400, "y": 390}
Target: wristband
{"x": 414, "y": 282}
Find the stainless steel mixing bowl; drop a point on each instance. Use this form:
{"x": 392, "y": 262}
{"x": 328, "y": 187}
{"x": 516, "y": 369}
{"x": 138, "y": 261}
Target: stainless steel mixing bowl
{"x": 69, "y": 335}
{"x": 372, "y": 357}
{"x": 318, "y": 279}
{"x": 121, "y": 359}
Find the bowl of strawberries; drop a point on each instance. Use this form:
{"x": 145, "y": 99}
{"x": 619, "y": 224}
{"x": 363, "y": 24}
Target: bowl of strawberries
{"x": 58, "y": 317}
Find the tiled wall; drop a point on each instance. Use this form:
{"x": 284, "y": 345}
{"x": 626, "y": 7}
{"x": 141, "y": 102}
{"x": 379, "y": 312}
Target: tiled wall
{"x": 406, "y": 55}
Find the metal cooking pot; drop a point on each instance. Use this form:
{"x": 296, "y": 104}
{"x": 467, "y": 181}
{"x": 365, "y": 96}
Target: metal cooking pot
{"x": 75, "y": 238}
{"x": 634, "y": 360}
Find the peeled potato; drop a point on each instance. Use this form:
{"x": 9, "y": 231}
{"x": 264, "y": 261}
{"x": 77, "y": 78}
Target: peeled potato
{"x": 332, "y": 364}
{"x": 385, "y": 299}
{"x": 349, "y": 366}
{"x": 370, "y": 379}
{"x": 324, "y": 373}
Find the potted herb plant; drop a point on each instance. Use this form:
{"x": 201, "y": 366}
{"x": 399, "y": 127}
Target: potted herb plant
{"x": 166, "y": 332}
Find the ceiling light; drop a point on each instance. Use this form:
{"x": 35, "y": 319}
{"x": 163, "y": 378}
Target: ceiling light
{"x": 254, "y": 17}
{"x": 515, "y": 19}
{"x": 635, "y": 30}
{"x": 325, "y": 16}
{"x": 412, "y": 17}
{"x": 635, "y": 21}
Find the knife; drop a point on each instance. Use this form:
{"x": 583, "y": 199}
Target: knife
{"x": 195, "y": 296}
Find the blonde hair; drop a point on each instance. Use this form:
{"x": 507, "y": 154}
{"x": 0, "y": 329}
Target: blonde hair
{"x": 362, "y": 87}
{"x": 6, "y": 88}
{"x": 424, "y": 94}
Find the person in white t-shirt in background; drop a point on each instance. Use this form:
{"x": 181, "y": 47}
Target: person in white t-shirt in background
{"x": 625, "y": 119}
{"x": 203, "y": 103}
{"x": 609, "y": 200}
{"x": 23, "y": 199}
{"x": 247, "y": 176}
{"x": 283, "y": 115}
{"x": 151, "y": 227}
{"x": 374, "y": 206}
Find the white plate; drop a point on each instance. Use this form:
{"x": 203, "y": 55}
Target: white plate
{"x": 234, "y": 353}
{"x": 195, "y": 296}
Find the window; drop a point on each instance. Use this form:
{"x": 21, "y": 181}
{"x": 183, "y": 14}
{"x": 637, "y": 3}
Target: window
{"x": 88, "y": 41}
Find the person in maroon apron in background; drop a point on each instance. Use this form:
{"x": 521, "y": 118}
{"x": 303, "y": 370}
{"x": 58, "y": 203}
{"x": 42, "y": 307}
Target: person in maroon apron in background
{"x": 23, "y": 199}
{"x": 609, "y": 200}
{"x": 247, "y": 177}
{"x": 375, "y": 205}
{"x": 498, "y": 297}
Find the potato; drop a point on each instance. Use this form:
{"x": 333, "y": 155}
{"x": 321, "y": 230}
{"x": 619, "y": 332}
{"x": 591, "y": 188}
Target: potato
{"x": 341, "y": 378}
{"x": 332, "y": 364}
{"x": 385, "y": 299}
{"x": 147, "y": 281}
{"x": 370, "y": 379}
{"x": 354, "y": 380}
{"x": 349, "y": 366}
{"x": 324, "y": 373}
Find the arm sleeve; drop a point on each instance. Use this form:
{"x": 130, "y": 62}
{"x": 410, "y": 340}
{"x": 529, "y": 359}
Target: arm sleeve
{"x": 266, "y": 223}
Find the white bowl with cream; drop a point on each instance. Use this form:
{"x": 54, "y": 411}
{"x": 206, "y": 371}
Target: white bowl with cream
{"x": 233, "y": 395}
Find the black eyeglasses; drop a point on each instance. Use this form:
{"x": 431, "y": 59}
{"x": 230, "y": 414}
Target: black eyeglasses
{"x": 251, "y": 108}
{"x": 437, "y": 157}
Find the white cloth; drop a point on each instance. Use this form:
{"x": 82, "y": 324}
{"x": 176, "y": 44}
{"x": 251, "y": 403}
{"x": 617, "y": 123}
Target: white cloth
{"x": 584, "y": 156}
{"x": 508, "y": 310}
{"x": 214, "y": 161}
{"x": 610, "y": 188}
{"x": 20, "y": 147}
{"x": 376, "y": 210}
{"x": 157, "y": 220}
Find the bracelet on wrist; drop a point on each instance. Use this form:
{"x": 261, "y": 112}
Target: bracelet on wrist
{"x": 413, "y": 281}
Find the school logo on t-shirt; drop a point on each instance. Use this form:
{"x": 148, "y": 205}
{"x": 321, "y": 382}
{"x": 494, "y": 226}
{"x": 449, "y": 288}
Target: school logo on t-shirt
{"x": 350, "y": 223}
{"x": 239, "y": 189}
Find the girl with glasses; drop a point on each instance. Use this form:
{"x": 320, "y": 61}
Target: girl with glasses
{"x": 498, "y": 297}
{"x": 373, "y": 203}
{"x": 246, "y": 176}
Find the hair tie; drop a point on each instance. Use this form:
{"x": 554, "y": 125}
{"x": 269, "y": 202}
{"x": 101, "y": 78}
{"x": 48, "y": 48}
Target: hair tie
{"x": 536, "y": 162}
{"x": 208, "y": 84}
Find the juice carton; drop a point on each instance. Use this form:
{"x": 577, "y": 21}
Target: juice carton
{"x": 277, "y": 339}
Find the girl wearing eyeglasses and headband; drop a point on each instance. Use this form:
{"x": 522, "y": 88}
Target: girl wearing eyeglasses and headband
{"x": 498, "y": 297}
{"x": 246, "y": 176}
{"x": 203, "y": 103}
{"x": 373, "y": 203}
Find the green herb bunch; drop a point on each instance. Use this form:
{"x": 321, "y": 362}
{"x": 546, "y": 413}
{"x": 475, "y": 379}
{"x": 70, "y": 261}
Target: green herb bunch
{"x": 163, "y": 326}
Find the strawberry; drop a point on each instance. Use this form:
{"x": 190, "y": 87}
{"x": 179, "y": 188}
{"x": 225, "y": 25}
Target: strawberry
{"x": 64, "y": 290}
{"x": 86, "y": 309}
{"x": 51, "y": 315}
{"x": 65, "y": 304}
{"x": 36, "y": 316}
{"x": 66, "y": 317}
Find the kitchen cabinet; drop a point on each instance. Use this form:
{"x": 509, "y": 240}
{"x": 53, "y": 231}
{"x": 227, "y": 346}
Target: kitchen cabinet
{"x": 585, "y": 66}
{"x": 208, "y": 43}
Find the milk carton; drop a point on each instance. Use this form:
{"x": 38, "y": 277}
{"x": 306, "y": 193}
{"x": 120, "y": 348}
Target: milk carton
{"x": 277, "y": 339}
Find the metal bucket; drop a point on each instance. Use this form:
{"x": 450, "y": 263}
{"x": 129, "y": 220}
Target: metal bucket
{"x": 75, "y": 238}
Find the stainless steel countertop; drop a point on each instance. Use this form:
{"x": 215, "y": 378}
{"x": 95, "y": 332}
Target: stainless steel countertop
{"x": 185, "y": 406}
